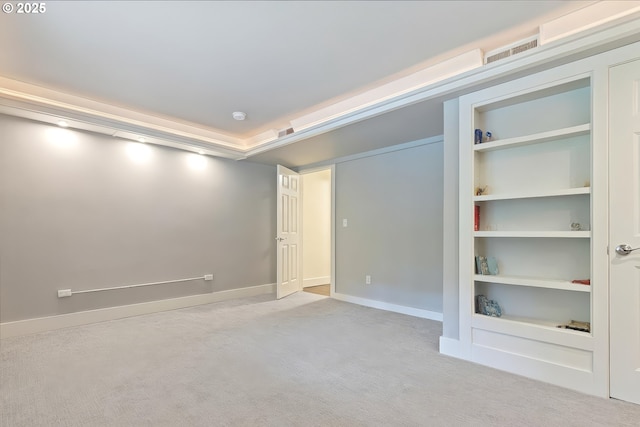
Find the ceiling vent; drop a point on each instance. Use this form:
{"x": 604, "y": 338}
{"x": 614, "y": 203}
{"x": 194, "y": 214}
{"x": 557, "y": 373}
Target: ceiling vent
{"x": 511, "y": 50}
{"x": 285, "y": 132}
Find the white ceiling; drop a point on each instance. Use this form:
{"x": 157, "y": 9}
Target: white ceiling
{"x": 198, "y": 61}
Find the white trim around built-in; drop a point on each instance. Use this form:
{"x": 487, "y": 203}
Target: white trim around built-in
{"x": 42, "y": 324}
{"x": 411, "y": 311}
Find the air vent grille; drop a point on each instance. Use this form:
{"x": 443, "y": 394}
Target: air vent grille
{"x": 498, "y": 56}
{"x": 514, "y": 49}
{"x": 285, "y": 132}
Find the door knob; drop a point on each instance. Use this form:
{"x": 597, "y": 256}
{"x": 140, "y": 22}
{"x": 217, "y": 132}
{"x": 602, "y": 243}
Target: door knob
{"x": 280, "y": 239}
{"x": 624, "y": 249}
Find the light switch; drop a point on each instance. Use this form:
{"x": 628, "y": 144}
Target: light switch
{"x": 345, "y": 222}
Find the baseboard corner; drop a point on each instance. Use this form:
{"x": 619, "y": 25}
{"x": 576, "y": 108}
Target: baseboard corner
{"x": 452, "y": 347}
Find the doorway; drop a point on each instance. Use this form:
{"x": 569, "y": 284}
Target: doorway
{"x": 317, "y": 231}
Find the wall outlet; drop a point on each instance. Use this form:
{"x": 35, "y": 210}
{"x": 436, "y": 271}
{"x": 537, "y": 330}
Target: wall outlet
{"x": 345, "y": 222}
{"x": 367, "y": 279}
{"x": 208, "y": 277}
{"x": 63, "y": 293}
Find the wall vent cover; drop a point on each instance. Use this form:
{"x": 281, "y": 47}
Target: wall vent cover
{"x": 512, "y": 49}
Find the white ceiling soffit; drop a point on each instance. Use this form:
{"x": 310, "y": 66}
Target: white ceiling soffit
{"x": 595, "y": 25}
{"x": 611, "y": 33}
{"x": 113, "y": 125}
{"x": 590, "y": 17}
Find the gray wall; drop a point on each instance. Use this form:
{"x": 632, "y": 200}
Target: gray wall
{"x": 79, "y": 213}
{"x": 393, "y": 204}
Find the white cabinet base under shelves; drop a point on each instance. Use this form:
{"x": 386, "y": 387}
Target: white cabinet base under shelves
{"x": 568, "y": 367}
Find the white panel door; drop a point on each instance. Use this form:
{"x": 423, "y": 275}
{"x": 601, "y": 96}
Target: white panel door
{"x": 288, "y": 238}
{"x": 624, "y": 104}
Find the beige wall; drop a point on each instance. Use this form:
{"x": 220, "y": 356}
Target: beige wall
{"x": 316, "y": 227}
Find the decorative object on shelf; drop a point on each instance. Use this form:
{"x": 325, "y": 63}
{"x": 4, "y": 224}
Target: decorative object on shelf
{"x": 482, "y": 190}
{"x": 476, "y": 218}
{"x": 577, "y": 226}
{"x": 486, "y": 266}
{"x": 577, "y": 326}
{"x": 489, "y": 137}
{"x": 477, "y": 136}
{"x": 582, "y": 281}
{"x": 492, "y": 263}
{"x": 482, "y": 267}
{"x": 488, "y": 307}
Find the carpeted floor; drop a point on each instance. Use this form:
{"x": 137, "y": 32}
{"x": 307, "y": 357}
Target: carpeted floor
{"x": 306, "y": 360}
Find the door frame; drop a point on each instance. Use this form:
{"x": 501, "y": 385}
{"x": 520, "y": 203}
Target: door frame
{"x": 332, "y": 256}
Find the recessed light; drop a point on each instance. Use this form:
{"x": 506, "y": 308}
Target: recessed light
{"x": 239, "y": 115}
{"x": 63, "y": 124}
{"x": 141, "y": 139}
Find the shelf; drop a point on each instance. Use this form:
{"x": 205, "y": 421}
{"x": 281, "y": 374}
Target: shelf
{"x": 532, "y": 195}
{"x": 481, "y": 319}
{"x": 535, "y": 282}
{"x": 536, "y": 138}
{"x": 554, "y": 234}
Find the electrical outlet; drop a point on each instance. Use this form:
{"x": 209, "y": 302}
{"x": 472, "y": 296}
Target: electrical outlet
{"x": 367, "y": 279}
{"x": 208, "y": 277}
{"x": 63, "y": 293}
{"x": 345, "y": 222}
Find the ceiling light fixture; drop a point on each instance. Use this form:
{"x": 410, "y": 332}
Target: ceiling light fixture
{"x": 63, "y": 124}
{"x": 141, "y": 139}
{"x": 239, "y": 115}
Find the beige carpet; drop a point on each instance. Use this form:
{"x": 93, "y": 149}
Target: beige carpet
{"x": 306, "y": 360}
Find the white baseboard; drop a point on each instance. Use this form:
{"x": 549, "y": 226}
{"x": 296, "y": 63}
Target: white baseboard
{"x": 453, "y": 347}
{"x": 411, "y": 311}
{"x": 316, "y": 281}
{"x": 41, "y": 324}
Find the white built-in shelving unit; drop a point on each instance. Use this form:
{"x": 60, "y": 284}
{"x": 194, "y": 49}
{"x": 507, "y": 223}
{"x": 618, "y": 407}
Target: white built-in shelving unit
{"x": 536, "y": 173}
